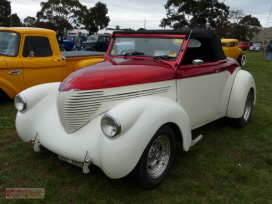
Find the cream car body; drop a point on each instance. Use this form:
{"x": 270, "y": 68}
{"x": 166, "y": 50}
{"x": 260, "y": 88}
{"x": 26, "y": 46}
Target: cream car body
{"x": 143, "y": 94}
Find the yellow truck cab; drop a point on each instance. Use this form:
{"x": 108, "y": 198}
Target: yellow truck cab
{"x": 31, "y": 56}
{"x": 231, "y": 49}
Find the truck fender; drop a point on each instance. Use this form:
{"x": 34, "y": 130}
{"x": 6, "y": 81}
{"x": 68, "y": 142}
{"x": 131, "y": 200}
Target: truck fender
{"x": 140, "y": 119}
{"x": 8, "y": 88}
{"x": 85, "y": 62}
{"x": 243, "y": 83}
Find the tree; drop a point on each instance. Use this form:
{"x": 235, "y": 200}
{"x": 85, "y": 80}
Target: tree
{"x": 193, "y": 13}
{"x": 5, "y": 11}
{"x": 96, "y": 18}
{"x": 250, "y": 21}
{"x": 15, "y": 21}
{"x": 61, "y": 11}
{"x": 238, "y": 26}
{"x": 29, "y": 21}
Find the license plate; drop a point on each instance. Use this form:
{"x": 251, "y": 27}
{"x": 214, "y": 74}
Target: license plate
{"x": 71, "y": 161}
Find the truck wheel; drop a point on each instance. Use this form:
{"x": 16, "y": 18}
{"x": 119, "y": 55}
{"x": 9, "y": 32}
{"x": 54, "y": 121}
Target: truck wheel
{"x": 241, "y": 122}
{"x": 156, "y": 160}
{"x": 242, "y": 59}
{"x": 88, "y": 48}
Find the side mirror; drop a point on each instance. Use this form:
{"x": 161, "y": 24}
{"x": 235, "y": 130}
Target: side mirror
{"x": 197, "y": 62}
{"x": 31, "y": 54}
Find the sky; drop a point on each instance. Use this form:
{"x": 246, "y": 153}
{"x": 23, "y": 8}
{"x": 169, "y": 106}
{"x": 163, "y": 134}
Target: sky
{"x": 147, "y": 14}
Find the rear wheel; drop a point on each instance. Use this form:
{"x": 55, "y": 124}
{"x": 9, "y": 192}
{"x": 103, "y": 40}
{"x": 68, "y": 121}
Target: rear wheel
{"x": 241, "y": 122}
{"x": 156, "y": 160}
{"x": 242, "y": 59}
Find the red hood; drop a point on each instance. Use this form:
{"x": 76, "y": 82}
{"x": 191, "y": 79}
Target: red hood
{"x": 117, "y": 72}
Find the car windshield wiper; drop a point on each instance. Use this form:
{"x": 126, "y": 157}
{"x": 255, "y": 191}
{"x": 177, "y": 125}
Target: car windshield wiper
{"x": 2, "y": 53}
{"x": 134, "y": 53}
{"x": 163, "y": 57}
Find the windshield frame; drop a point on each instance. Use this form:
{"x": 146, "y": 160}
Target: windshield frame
{"x": 7, "y": 51}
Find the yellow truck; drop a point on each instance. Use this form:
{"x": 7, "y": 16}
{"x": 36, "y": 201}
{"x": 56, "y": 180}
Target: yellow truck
{"x": 31, "y": 56}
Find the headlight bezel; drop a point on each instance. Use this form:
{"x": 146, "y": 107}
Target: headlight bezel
{"x": 20, "y": 99}
{"x": 110, "y": 120}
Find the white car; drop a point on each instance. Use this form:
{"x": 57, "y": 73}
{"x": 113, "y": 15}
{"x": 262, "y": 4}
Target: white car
{"x": 125, "y": 113}
{"x": 256, "y": 46}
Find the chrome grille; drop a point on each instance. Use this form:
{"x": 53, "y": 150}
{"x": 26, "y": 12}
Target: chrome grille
{"x": 81, "y": 106}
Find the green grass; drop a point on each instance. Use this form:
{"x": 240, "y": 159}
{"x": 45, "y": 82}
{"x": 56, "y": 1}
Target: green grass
{"x": 228, "y": 166}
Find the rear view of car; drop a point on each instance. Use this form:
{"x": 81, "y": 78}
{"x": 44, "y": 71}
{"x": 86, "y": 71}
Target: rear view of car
{"x": 243, "y": 45}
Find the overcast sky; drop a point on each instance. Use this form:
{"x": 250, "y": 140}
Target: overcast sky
{"x": 137, "y": 14}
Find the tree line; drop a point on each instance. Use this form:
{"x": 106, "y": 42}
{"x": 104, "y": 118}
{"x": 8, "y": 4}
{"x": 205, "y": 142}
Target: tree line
{"x": 180, "y": 14}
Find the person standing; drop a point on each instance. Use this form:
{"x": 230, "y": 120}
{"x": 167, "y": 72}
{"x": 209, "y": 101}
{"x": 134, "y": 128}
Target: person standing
{"x": 59, "y": 38}
{"x": 264, "y": 45}
{"x": 269, "y": 51}
{"x": 78, "y": 42}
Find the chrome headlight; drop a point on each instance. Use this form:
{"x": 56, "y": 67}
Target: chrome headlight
{"x": 20, "y": 102}
{"x": 110, "y": 125}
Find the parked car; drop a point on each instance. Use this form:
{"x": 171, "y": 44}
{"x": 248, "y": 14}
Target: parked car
{"x": 124, "y": 114}
{"x": 256, "y": 46}
{"x": 68, "y": 44}
{"x": 31, "y": 56}
{"x": 231, "y": 49}
{"x": 97, "y": 42}
{"x": 243, "y": 45}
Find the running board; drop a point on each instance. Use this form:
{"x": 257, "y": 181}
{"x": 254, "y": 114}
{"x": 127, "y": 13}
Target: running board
{"x": 196, "y": 140}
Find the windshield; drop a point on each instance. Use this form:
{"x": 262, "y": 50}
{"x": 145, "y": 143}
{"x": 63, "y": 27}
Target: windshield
{"x": 9, "y": 43}
{"x": 159, "y": 47}
{"x": 92, "y": 38}
{"x": 257, "y": 44}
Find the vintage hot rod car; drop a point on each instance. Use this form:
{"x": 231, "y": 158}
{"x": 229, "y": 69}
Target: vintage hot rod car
{"x": 124, "y": 114}
{"x": 231, "y": 49}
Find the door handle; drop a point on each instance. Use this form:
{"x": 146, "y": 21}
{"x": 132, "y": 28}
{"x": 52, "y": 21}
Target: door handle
{"x": 56, "y": 59}
{"x": 15, "y": 72}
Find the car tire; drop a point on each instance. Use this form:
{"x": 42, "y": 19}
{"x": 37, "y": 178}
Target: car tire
{"x": 156, "y": 160}
{"x": 241, "y": 122}
{"x": 88, "y": 48}
{"x": 242, "y": 59}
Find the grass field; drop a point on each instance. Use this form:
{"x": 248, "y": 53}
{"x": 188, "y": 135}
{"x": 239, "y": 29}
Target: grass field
{"x": 228, "y": 166}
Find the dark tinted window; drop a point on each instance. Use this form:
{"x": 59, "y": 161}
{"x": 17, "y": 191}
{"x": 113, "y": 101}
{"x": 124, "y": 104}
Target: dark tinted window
{"x": 38, "y": 45}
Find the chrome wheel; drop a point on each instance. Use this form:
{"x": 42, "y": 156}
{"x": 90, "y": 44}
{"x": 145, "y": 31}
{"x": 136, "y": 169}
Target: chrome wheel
{"x": 248, "y": 108}
{"x": 156, "y": 160}
{"x": 158, "y": 156}
{"x": 243, "y": 60}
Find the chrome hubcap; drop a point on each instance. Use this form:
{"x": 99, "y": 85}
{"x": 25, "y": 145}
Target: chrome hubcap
{"x": 248, "y": 108}
{"x": 243, "y": 60}
{"x": 158, "y": 156}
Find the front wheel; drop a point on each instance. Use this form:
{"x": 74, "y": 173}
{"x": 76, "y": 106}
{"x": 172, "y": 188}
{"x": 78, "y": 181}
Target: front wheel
{"x": 241, "y": 122}
{"x": 242, "y": 59}
{"x": 156, "y": 160}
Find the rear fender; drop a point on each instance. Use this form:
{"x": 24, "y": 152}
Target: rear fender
{"x": 243, "y": 83}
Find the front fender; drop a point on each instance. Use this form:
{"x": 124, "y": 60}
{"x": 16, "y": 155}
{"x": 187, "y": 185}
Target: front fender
{"x": 140, "y": 119}
{"x": 243, "y": 83}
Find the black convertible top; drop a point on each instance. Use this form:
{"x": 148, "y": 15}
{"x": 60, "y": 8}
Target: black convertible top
{"x": 214, "y": 40}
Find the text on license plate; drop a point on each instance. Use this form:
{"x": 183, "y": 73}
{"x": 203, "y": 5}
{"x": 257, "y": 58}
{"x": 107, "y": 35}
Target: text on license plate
{"x": 71, "y": 161}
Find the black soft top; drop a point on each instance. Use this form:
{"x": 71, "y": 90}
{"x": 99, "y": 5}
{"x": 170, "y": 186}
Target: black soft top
{"x": 198, "y": 34}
